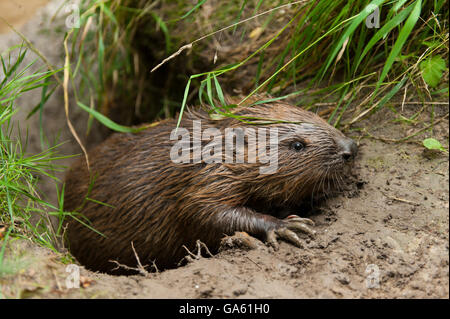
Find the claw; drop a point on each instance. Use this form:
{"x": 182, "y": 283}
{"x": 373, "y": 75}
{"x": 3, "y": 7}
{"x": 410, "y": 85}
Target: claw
{"x": 299, "y": 226}
{"x": 272, "y": 239}
{"x": 300, "y": 219}
{"x": 290, "y": 236}
{"x": 290, "y": 226}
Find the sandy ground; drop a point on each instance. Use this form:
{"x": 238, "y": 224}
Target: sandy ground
{"x": 386, "y": 236}
{"x": 18, "y": 12}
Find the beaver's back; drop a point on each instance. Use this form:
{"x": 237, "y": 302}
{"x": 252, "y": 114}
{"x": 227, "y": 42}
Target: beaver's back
{"x": 134, "y": 174}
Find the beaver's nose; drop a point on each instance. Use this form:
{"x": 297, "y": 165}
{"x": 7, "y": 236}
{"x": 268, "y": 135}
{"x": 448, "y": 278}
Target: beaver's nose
{"x": 348, "y": 148}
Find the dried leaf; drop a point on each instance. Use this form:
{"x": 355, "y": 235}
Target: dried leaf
{"x": 256, "y": 33}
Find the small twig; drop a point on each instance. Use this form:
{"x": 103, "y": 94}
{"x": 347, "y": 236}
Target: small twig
{"x": 154, "y": 266}
{"x": 184, "y": 47}
{"x": 254, "y": 263}
{"x": 189, "y": 252}
{"x": 119, "y": 265}
{"x": 140, "y": 268}
{"x": 197, "y": 256}
{"x": 362, "y": 114}
{"x": 199, "y": 243}
{"x": 424, "y": 103}
{"x": 401, "y": 200}
{"x": 325, "y": 104}
{"x": 404, "y": 95}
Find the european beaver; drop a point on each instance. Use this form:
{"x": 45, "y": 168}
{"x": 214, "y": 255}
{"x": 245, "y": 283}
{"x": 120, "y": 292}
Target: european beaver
{"x": 136, "y": 193}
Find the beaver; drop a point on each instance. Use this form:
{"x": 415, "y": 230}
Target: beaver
{"x": 135, "y": 194}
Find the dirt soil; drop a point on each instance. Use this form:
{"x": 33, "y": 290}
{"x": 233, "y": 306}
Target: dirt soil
{"x": 18, "y": 12}
{"x": 386, "y": 236}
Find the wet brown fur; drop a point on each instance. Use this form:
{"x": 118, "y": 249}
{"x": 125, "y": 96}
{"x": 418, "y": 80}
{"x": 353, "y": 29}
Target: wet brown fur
{"x": 161, "y": 206}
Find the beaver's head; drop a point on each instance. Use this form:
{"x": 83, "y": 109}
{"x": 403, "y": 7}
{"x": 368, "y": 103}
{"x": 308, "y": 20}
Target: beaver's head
{"x": 312, "y": 156}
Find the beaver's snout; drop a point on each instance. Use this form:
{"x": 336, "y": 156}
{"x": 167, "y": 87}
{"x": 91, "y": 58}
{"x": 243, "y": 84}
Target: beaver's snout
{"x": 347, "y": 148}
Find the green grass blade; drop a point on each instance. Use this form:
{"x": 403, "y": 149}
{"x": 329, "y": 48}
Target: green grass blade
{"x": 357, "y": 20}
{"x": 383, "y": 32}
{"x": 107, "y": 122}
{"x": 398, "y": 45}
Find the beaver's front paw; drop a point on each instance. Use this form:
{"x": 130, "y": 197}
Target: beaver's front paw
{"x": 287, "y": 231}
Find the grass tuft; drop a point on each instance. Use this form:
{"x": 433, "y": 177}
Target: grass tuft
{"x": 24, "y": 212}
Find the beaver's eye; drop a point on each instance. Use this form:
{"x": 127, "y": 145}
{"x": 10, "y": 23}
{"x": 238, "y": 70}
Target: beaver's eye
{"x": 297, "y": 146}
